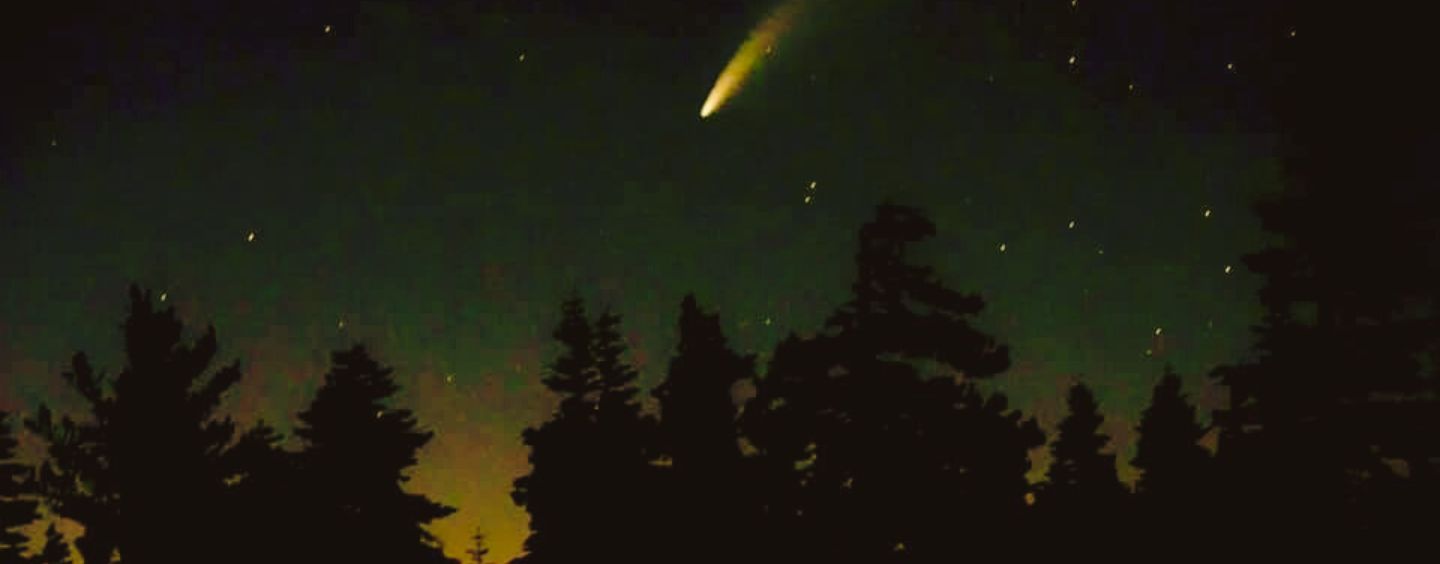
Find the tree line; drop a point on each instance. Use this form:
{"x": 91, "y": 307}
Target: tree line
{"x": 869, "y": 440}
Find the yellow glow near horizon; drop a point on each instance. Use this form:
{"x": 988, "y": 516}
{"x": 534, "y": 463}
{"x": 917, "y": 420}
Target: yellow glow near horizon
{"x": 760, "y": 44}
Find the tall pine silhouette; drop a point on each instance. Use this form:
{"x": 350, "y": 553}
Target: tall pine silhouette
{"x": 150, "y": 459}
{"x": 1176, "y": 475}
{"x": 357, "y": 449}
{"x": 707, "y": 491}
{"x": 865, "y": 454}
{"x": 1082, "y": 497}
{"x": 591, "y": 487}
{"x": 15, "y": 510}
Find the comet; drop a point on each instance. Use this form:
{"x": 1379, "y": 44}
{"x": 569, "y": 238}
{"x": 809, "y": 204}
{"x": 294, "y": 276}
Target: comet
{"x": 752, "y": 53}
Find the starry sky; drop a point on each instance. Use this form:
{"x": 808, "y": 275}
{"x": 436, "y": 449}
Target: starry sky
{"x": 433, "y": 180}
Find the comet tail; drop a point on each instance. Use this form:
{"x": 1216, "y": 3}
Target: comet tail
{"x": 760, "y": 44}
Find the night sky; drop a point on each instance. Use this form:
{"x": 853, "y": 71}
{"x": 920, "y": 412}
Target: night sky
{"x": 433, "y": 181}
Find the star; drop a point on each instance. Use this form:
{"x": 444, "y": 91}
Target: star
{"x": 340, "y": 324}
{"x": 1292, "y": 33}
{"x": 522, "y": 57}
{"x": 163, "y": 296}
{"x": 1227, "y": 269}
{"x": 327, "y": 28}
{"x": 1158, "y": 331}
{"x": 450, "y": 378}
{"x": 1071, "y": 224}
{"x": 1002, "y": 247}
{"x": 1230, "y": 66}
{"x": 1205, "y": 212}
{"x": 767, "y": 320}
{"x": 250, "y": 237}
{"x": 1072, "y": 59}
{"x": 809, "y": 199}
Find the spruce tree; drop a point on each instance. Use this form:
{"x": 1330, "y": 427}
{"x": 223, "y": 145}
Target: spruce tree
{"x": 591, "y": 484}
{"x": 1174, "y": 490}
{"x": 1173, "y": 465}
{"x": 868, "y": 432}
{"x": 357, "y": 450}
{"x": 16, "y": 510}
{"x": 478, "y": 549}
{"x": 1082, "y": 492}
{"x": 707, "y": 490}
{"x": 152, "y": 448}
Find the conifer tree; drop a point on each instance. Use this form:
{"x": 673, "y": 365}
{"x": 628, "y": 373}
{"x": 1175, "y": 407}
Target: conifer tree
{"x": 1082, "y": 492}
{"x": 1082, "y": 475}
{"x": 16, "y": 510}
{"x": 707, "y": 490}
{"x": 1174, "y": 490}
{"x": 1172, "y": 463}
{"x": 357, "y": 450}
{"x": 152, "y": 448}
{"x": 863, "y": 452}
{"x": 591, "y": 484}
{"x": 478, "y": 549}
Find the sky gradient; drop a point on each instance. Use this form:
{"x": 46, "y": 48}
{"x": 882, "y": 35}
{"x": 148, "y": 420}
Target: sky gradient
{"x": 435, "y": 192}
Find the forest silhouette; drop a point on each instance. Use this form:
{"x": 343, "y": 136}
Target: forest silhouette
{"x": 869, "y": 440}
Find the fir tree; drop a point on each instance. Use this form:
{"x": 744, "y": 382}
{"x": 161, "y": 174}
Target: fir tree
{"x": 591, "y": 484}
{"x": 152, "y": 448}
{"x": 1082, "y": 492}
{"x": 357, "y": 449}
{"x": 698, "y": 436}
{"x": 478, "y": 550}
{"x": 864, "y": 453}
{"x": 16, "y": 510}
{"x": 1172, "y": 463}
{"x": 1174, "y": 488}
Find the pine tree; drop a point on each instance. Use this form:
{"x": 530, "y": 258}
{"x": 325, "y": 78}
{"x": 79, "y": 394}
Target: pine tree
{"x": 698, "y": 435}
{"x": 478, "y": 550}
{"x": 356, "y": 452}
{"x": 151, "y": 449}
{"x": 591, "y": 483}
{"x": 54, "y": 551}
{"x": 865, "y": 457}
{"x": 1082, "y": 492}
{"x": 15, "y": 509}
{"x": 1172, "y": 463}
{"x": 1176, "y": 474}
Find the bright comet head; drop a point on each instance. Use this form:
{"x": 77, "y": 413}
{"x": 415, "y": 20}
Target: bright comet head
{"x": 760, "y": 44}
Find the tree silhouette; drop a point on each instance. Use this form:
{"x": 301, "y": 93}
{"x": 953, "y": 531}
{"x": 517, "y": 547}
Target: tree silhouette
{"x": 1168, "y": 454}
{"x": 152, "y": 449}
{"x": 54, "y": 551}
{"x": 15, "y": 510}
{"x": 706, "y": 501}
{"x": 356, "y": 453}
{"x": 1335, "y": 396}
{"x": 478, "y": 550}
{"x": 1175, "y": 470}
{"x": 1082, "y": 494}
{"x": 591, "y": 482}
{"x": 862, "y": 457}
